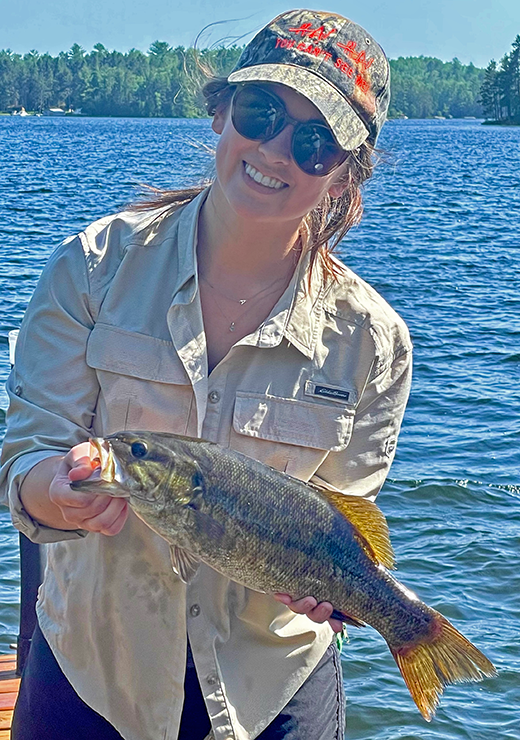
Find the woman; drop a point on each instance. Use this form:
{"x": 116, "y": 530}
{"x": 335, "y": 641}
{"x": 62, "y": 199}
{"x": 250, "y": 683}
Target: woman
{"x": 219, "y": 313}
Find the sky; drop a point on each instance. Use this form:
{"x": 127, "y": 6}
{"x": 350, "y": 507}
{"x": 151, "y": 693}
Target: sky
{"x": 471, "y": 30}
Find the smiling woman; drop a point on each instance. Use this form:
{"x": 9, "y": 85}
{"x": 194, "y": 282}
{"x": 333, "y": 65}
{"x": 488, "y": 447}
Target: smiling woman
{"x": 216, "y": 312}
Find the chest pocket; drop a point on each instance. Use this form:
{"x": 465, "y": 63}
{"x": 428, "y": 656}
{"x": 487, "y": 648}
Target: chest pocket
{"x": 291, "y": 435}
{"x": 143, "y": 383}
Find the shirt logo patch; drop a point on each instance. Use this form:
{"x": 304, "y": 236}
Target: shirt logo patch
{"x": 328, "y": 391}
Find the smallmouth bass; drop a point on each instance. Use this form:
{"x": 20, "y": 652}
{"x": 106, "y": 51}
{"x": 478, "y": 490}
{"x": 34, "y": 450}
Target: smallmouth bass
{"x": 275, "y": 534}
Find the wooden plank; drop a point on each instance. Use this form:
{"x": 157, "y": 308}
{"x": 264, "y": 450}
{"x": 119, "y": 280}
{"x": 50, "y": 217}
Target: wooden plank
{"x": 6, "y": 716}
{"x": 10, "y": 686}
{"x": 7, "y": 676}
{"x": 7, "y": 701}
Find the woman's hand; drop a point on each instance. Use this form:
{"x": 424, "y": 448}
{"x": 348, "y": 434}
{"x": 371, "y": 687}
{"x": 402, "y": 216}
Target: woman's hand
{"x": 90, "y": 511}
{"x": 308, "y": 605}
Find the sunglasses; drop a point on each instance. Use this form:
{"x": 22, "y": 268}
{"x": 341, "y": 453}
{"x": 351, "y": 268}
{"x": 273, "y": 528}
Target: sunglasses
{"x": 260, "y": 115}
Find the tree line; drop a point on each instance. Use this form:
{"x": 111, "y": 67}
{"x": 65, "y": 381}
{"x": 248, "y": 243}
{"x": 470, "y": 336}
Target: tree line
{"x": 165, "y": 81}
{"x": 500, "y": 91}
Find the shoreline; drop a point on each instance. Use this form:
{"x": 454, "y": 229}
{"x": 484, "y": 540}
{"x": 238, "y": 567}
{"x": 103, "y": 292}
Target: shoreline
{"x": 501, "y": 123}
{"x": 35, "y": 114}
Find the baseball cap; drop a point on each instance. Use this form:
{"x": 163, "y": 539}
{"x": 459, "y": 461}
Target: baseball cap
{"x": 330, "y": 60}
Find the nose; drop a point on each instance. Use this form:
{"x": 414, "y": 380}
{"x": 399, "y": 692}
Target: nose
{"x": 278, "y": 150}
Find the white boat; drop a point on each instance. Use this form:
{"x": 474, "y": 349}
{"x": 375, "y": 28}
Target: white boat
{"x": 54, "y": 112}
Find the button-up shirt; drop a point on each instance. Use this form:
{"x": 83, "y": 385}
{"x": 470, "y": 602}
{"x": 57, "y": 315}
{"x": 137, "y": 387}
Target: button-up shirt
{"x": 114, "y": 339}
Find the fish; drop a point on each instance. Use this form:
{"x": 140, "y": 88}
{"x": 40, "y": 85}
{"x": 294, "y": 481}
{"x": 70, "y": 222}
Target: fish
{"x": 274, "y": 533}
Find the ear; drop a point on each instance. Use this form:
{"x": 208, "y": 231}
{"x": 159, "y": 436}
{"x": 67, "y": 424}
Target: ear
{"x": 337, "y": 189}
{"x": 219, "y": 119}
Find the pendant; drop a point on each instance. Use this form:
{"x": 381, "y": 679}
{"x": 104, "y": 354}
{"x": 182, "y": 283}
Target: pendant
{"x": 232, "y": 326}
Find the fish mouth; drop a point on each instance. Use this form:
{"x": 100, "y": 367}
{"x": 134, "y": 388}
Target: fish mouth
{"x": 108, "y": 476}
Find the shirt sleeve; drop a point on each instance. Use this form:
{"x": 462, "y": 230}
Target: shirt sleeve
{"x": 52, "y": 391}
{"x": 361, "y": 468}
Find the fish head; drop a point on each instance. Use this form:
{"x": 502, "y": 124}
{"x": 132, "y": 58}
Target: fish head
{"x": 141, "y": 466}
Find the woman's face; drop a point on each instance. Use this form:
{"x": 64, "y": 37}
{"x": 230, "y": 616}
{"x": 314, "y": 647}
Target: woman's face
{"x": 291, "y": 193}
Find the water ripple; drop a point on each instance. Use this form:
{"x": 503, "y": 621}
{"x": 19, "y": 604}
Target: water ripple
{"x": 440, "y": 242}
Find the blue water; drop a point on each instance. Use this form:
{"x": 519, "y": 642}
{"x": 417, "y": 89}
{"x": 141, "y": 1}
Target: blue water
{"x": 440, "y": 240}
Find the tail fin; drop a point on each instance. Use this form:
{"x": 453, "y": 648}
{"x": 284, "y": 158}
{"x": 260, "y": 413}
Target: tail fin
{"x": 448, "y": 657}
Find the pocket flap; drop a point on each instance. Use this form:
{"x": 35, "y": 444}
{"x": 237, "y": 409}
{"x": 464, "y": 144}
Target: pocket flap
{"x": 138, "y": 355}
{"x": 293, "y": 422}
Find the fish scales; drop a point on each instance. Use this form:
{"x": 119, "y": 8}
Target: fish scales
{"x": 318, "y": 533}
{"x": 274, "y": 533}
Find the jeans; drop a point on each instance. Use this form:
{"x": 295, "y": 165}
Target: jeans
{"x": 48, "y": 708}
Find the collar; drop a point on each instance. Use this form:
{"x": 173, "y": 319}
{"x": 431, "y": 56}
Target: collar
{"x": 296, "y": 315}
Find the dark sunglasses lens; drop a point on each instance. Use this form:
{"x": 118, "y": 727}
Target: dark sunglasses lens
{"x": 314, "y": 149}
{"x": 256, "y": 114}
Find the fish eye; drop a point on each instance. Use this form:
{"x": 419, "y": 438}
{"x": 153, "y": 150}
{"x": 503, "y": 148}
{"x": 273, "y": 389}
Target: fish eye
{"x": 139, "y": 449}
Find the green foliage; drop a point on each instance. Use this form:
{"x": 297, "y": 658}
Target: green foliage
{"x": 164, "y": 82}
{"x": 500, "y": 90}
{"x": 423, "y": 87}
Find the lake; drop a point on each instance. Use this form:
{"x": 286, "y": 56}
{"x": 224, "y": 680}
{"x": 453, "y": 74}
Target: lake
{"x": 441, "y": 242}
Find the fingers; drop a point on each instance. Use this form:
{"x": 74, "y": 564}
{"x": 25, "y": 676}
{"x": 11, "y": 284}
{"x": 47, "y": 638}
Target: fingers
{"x": 81, "y": 471}
{"x": 104, "y": 515}
{"x": 317, "y": 612}
{"x": 336, "y": 625}
{"x": 93, "y": 512}
{"x": 111, "y": 520}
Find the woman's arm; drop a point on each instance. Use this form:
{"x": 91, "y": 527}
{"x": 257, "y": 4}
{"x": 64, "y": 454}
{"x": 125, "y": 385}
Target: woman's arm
{"x": 362, "y": 467}
{"x": 53, "y": 398}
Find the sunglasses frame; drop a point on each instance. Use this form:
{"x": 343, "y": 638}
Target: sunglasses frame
{"x": 288, "y": 120}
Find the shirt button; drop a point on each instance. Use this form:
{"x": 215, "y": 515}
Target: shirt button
{"x": 18, "y": 390}
{"x": 211, "y": 680}
{"x": 195, "y": 610}
{"x": 214, "y": 397}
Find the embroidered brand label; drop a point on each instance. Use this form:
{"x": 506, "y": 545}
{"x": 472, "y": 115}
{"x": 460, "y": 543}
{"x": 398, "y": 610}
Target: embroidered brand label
{"x": 322, "y": 390}
{"x": 327, "y": 391}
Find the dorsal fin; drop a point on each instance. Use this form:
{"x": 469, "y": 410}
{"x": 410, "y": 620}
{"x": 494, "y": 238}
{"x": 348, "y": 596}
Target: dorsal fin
{"x": 370, "y": 522}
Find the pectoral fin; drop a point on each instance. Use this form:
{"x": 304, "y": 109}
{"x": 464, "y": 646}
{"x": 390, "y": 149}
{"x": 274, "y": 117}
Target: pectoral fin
{"x": 370, "y": 522}
{"x": 183, "y": 563}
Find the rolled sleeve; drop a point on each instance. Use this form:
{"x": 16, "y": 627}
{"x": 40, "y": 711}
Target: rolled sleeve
{"x": 52, "y": 391}
{"x": 361, "y": 468}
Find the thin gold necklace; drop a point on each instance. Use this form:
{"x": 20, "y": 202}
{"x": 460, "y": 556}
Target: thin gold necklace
{"x": 241, "y": 301}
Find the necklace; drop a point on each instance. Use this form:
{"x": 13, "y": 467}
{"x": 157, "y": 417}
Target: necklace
{"x": 241, "y": 301}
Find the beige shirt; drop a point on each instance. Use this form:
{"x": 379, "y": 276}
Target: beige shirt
{"x": 113, "y": 339}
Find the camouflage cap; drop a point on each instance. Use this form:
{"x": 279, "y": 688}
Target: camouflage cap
{"x": 330, "y": 60}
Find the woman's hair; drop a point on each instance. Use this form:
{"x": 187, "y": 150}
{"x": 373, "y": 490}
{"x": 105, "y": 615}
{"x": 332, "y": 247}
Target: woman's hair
{"x": 327, "y": 223}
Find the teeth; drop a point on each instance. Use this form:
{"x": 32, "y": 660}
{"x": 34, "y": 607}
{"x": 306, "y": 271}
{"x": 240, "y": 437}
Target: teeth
{"x": 269, "y": 182}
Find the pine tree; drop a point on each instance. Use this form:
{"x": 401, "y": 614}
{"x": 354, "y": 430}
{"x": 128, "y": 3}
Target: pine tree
{"x": 489, "y": 92}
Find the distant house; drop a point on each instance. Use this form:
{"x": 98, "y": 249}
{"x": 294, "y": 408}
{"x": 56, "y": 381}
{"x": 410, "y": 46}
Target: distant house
{"x": 54, "y": 112}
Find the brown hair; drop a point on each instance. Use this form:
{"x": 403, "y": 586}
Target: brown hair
{"x": 327, "y": 223}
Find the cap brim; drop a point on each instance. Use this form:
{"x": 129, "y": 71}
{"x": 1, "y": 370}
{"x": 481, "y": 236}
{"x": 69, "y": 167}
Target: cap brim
{"x": 348, "y": 128}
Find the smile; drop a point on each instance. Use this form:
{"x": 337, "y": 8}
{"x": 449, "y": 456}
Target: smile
{"x": 269, "y": 182}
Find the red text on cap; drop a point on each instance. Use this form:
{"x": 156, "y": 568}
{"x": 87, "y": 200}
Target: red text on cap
{"x": 313, "y": 33}
{"x": 358, "y": 56}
